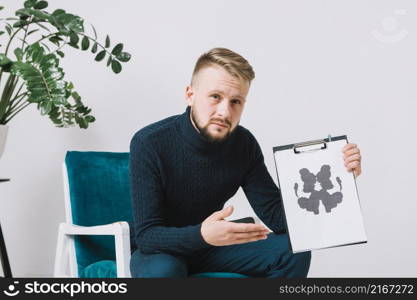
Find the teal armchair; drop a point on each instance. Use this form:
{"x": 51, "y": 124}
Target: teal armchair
{"x": 96, "y": 240}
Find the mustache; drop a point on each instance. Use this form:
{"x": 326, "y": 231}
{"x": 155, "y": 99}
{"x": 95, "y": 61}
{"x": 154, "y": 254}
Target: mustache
{"x": 221, "y": 121}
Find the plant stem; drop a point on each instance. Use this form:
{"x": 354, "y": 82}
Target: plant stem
{"x": 18, "y": 91}
{"x": 16, "y": 106}
{"x": 10, "y": 40}
{"x": 46, "y": 36}
{"x": 7, "y": 48}
{"x": 59, "y": 48}
{"x": 104, "y": 48}
{"x": 15, "y": 113}
{"x": 6, "y": 95}
{"x": 26, "y": 31}
{"x": 19, "y": 99}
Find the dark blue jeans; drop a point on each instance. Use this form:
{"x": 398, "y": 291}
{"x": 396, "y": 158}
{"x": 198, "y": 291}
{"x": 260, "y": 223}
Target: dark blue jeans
{"x": 269, "y": 258}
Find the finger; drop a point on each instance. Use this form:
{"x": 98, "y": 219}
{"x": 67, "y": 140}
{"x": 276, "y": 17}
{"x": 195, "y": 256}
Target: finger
{"x": 248, "y": 235}
{"x": 355, "y": 157}
{"x": 221, "y": 214}
{"x": 348, "y": 147}
{"x": 351, "y": 152}
{"x": 245, "y": 227}
{"x": 353, "y": 166}
{"x": 254, "y": 239}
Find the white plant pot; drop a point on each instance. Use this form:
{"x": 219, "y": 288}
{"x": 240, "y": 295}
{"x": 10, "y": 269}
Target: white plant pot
{"x": 3, "y": 136}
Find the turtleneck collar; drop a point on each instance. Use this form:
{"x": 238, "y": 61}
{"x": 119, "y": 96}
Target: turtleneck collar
{"x": 193, "y": 137}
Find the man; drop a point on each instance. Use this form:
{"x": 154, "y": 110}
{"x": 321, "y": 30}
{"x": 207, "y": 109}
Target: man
{"x": 185, "y": 167}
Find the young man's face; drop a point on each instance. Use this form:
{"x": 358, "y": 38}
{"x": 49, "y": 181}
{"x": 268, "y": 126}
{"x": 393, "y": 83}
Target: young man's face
{"x": 217, "y": 100}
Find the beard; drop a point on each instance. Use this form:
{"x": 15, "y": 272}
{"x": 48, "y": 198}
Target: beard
{"x": 204, "y": 130}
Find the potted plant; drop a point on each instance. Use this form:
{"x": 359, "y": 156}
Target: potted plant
{"x": 29, "y": 64}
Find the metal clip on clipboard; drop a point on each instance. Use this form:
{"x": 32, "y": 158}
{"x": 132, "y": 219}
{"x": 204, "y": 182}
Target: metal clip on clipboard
{"x": 311, "y": 143}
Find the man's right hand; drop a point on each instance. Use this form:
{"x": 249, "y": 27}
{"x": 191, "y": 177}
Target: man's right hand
{"x": 218, "y": 232}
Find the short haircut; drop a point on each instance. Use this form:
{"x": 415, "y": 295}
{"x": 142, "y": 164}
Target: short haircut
{"x": 232, "y": 62}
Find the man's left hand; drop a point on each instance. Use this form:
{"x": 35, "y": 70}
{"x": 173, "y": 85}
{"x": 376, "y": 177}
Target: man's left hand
{"x": 352, "y": 158}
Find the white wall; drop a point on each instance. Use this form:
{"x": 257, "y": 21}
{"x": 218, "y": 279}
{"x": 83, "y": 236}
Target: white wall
{"x": 319, "y": 70}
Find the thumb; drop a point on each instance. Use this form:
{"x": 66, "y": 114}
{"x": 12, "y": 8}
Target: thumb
{"x": 224, "y": 213}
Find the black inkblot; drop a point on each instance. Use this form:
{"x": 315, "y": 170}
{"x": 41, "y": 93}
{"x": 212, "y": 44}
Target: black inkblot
{"x": 312, "y": 203}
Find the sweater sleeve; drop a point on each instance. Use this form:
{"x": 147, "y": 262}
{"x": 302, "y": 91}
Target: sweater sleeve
{"x": 262, "y": 192}
{"x": 150, "y": 233}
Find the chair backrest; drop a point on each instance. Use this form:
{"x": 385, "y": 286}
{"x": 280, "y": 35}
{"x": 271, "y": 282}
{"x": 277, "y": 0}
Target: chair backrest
{"x": 97, "y": 193}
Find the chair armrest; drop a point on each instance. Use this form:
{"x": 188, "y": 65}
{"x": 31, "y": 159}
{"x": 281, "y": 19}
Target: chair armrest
{"x": 120, "y": 231}
{"x": 108, "y": 229}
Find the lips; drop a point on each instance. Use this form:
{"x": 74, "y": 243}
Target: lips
{"x": 220, "y": 124}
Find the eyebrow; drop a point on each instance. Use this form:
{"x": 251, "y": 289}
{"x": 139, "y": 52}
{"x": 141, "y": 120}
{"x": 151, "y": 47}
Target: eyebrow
{"x": 221, "y": 92}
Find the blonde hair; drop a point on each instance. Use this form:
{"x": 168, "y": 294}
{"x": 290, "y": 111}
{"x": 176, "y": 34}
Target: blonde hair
{"x": 232, "y": 62}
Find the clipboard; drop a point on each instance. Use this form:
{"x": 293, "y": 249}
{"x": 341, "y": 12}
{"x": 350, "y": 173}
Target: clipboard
{"x": 319, "y": 196}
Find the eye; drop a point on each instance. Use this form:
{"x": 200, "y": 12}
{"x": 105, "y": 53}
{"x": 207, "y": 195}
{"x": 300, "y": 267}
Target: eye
{"x": 216, "y": 96}
{"x": 236, "y": 101}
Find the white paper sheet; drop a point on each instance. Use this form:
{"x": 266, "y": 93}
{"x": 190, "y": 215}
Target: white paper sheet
{"x": 320, "y": 180}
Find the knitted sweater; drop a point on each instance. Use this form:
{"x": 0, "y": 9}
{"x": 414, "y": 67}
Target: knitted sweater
{"x": 178, "y": 178}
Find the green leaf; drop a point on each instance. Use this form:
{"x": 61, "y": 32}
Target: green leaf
{"x": 116, "y": 66}
{"x": 46, "y": 46}
{"x": 94, "y": 48}
{"x": 34, "y": 53}
{"x": 107, "y": 45}
{"x": 55, "y": 40}
{"x": 29, "y": 3}
{"x": 5, "y": 63}
{"x": 83, "y": 124}
{"x": 109, "y": 61}
{"x": 32, "y": 31}
{"x": 45, "y": 107}
{"x": 9, "y": 29}
{"x": 76, "y": 96}
{"x": 1, "y": 32}
{"x": 58, "y": 12}
{"x": 43, "y": 78}
{"x": 123, "y": 57}
{"x": 77, "y": 24}
{"x": 74, "y": 39}
{"x": 19, "y": 53}
{"x": 100, "y": 55}
{"x": 117, "y": 49}
{"x": 60, "y": 53}
{"x": 23, "y": 12}
{"x": 4, "y": 60}
{"x": 20, "y": 23}
{"x": 90, "y": 119}
{"x": 41, "y": 5}
{"x": 68, "y": 22}
{"x": 1, "y": 7}
{"x": 41, "y": 15}
{"x": 23, "y": 18}
{"x": 85, "y": 43}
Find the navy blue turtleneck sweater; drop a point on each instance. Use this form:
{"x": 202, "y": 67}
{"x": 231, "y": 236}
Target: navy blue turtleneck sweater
{"x": 178, "y": 178}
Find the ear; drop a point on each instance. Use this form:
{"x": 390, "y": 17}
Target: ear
{"x": 189, "y": 95}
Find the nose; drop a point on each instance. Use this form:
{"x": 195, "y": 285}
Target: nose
{"x": 223, "y": 109}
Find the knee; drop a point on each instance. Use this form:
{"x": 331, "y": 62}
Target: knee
{"x": 157, "y": 265}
